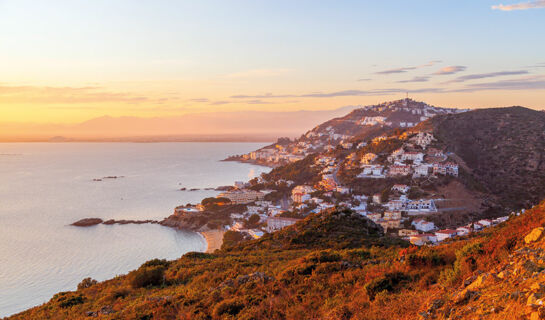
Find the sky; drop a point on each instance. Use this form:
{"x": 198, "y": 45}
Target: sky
{"x": 69, "y": 61}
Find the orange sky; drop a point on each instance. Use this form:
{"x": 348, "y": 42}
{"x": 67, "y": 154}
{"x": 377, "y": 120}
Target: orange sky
{"x": 68, "y": 62}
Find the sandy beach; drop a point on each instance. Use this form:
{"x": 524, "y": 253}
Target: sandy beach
{"x": 214, "y": 239}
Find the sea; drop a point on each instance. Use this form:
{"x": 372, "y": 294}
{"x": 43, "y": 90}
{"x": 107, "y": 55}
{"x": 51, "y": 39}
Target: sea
{"x": 44, "y": 187}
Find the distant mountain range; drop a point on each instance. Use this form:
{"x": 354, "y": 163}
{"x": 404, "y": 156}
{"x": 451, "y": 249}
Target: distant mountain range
{"x": 218, "y": 126}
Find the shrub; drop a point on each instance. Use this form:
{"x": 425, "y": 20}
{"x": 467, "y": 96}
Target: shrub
{"x": 426, "y": 257}
{"x": 147, "y": 276}
{"x": 156, "y": 262}
{"x": 228, "y": 307}
{"x": 86, "y": 283}
{"x": 466, "y": 263}
{"x": 391, "y": 282}
{"x": 198, "y": 255}
{"x": 66, "y": 300}
{"x": 232, "y": 238}
{"x": 252, "y": 221}
{"x": 323, "y": 256}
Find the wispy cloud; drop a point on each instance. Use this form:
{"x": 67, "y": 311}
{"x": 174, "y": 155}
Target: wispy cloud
{"x": 523, "y": 83}
{"x": 258, "y": 73}
{"x": 397, "y": 70}
{"x": 67, "y": 95}
{"x": 520, "y": 6}
{"x": 405, "y": 69}
{"x": 487, "y": 75}
{"x": 416, "y": 79}
{"x": 220, "y": 102}
{"x": 364, "y": 79}
{"x": 200, "y": 100}
{"x": 449, "y": 70}
{"x": 264, "y": 96}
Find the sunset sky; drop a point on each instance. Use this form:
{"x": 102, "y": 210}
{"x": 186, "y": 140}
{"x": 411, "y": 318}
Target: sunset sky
{"x": 71, "y": 61}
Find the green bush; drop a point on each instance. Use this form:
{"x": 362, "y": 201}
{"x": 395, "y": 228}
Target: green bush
{"x": 66, "y": 299}
{"x": 228, "y": 307}
{"x": 391, "y": 282}
{"x": 86, "y": 283}
{"x": 147, "y": 276}
{"x": 156, "y": 262}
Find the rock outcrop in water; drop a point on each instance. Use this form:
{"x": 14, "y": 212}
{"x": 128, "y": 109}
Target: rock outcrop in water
{"x": 87, "y": 222}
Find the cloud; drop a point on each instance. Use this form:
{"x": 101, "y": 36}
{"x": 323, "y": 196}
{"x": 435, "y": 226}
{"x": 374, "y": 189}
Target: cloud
{"x": 520, "y": 6}
{"x": 200, "y": 100}
{"x": 263, "y": 96}
{"x": 449, "y": 70}
{"x": 258, "y": 73}
{"x": 67, "y": 95}
{"x": 218, "y": 103}
{"x": 364, "y": 79}
{"x": 405, "y": 69}
{"x": 487, "y": 75}
{"x": 258, "y": 101}
{"x": 524, "y": 83}
{"x": 416, "y": 79}
{"x": 398, "y": 70}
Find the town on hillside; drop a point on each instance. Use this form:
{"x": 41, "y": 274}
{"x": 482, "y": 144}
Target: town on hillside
{"x": 398, "y": 180}
{"x": 373, "y": 120}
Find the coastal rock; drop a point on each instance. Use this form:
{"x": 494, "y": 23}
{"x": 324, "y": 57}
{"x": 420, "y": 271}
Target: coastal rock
{"x": 87, "y": 222}
{"x": 534, "y": 235}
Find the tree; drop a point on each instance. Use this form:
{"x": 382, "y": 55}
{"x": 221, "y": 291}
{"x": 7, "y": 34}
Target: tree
{"x": 252, "y": 221}
{"x": 232, "y": 238}
{"x": 86, "y": 283}
{"x": 385, "y": 195}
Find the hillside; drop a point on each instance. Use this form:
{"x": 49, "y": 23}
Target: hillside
{"x": 493, "y": 275}
{"x": 361, "y": 124}
{"x": 361, "y": 205}
{"x": 503, "y": 147}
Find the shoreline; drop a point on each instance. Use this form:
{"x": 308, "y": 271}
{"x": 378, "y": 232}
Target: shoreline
{"x": 213, "y": 238}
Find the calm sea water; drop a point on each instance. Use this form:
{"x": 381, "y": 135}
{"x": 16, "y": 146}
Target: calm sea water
{"x": 44, "y": 187}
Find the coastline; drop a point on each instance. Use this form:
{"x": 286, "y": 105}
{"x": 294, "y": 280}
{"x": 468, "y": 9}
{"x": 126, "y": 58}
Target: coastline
{"x": 213, "y": 238}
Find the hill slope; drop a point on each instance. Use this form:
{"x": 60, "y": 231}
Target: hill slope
{"x": 504, "y": 147}
{"x": 490, "y": 275}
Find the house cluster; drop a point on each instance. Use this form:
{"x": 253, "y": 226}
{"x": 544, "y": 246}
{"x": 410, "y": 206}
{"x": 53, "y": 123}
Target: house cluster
{"x": 275, "y": 155}
{"x": 301, "y": 194}
{"x": 429, "y": 236}
{"x": 408, "y": 160}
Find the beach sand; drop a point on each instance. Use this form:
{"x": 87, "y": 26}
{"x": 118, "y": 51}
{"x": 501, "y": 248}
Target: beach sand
{"x": 214, "y": 239}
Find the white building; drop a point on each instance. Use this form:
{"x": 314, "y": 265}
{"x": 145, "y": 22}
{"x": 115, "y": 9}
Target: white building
{"x": 278, "y": 223}
{"x": 445, "y": 234}
{"x": 421, "y": 170}
{"x": 462, "y": 231}
{"x": 401, "y": 188}
{"x": 423, "y": 225}
{"x": 372, "y": 171}
{"x": 421, "y": 206}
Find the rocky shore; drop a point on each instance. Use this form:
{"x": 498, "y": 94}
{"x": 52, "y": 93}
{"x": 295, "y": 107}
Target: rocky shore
{"x": 88, "y": 222}
{"x": 213, "y": 237}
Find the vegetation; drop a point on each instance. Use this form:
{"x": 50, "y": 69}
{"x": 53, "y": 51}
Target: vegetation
{"x": 331, "y": 266}
{"x": 504, "y": 149}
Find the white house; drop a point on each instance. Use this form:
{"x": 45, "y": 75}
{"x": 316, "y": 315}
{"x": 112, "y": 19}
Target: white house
{"x": 445, "y": 234}
{"x": 414, "y": 156}
{"x": 485, "y": 223}
{"x": 421, "y": 206}
{"x": 421, "y": 170}
{"x": 403, "y": 188}
{"x": 462, "y": 231}
{"x": 423, "y": 225}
